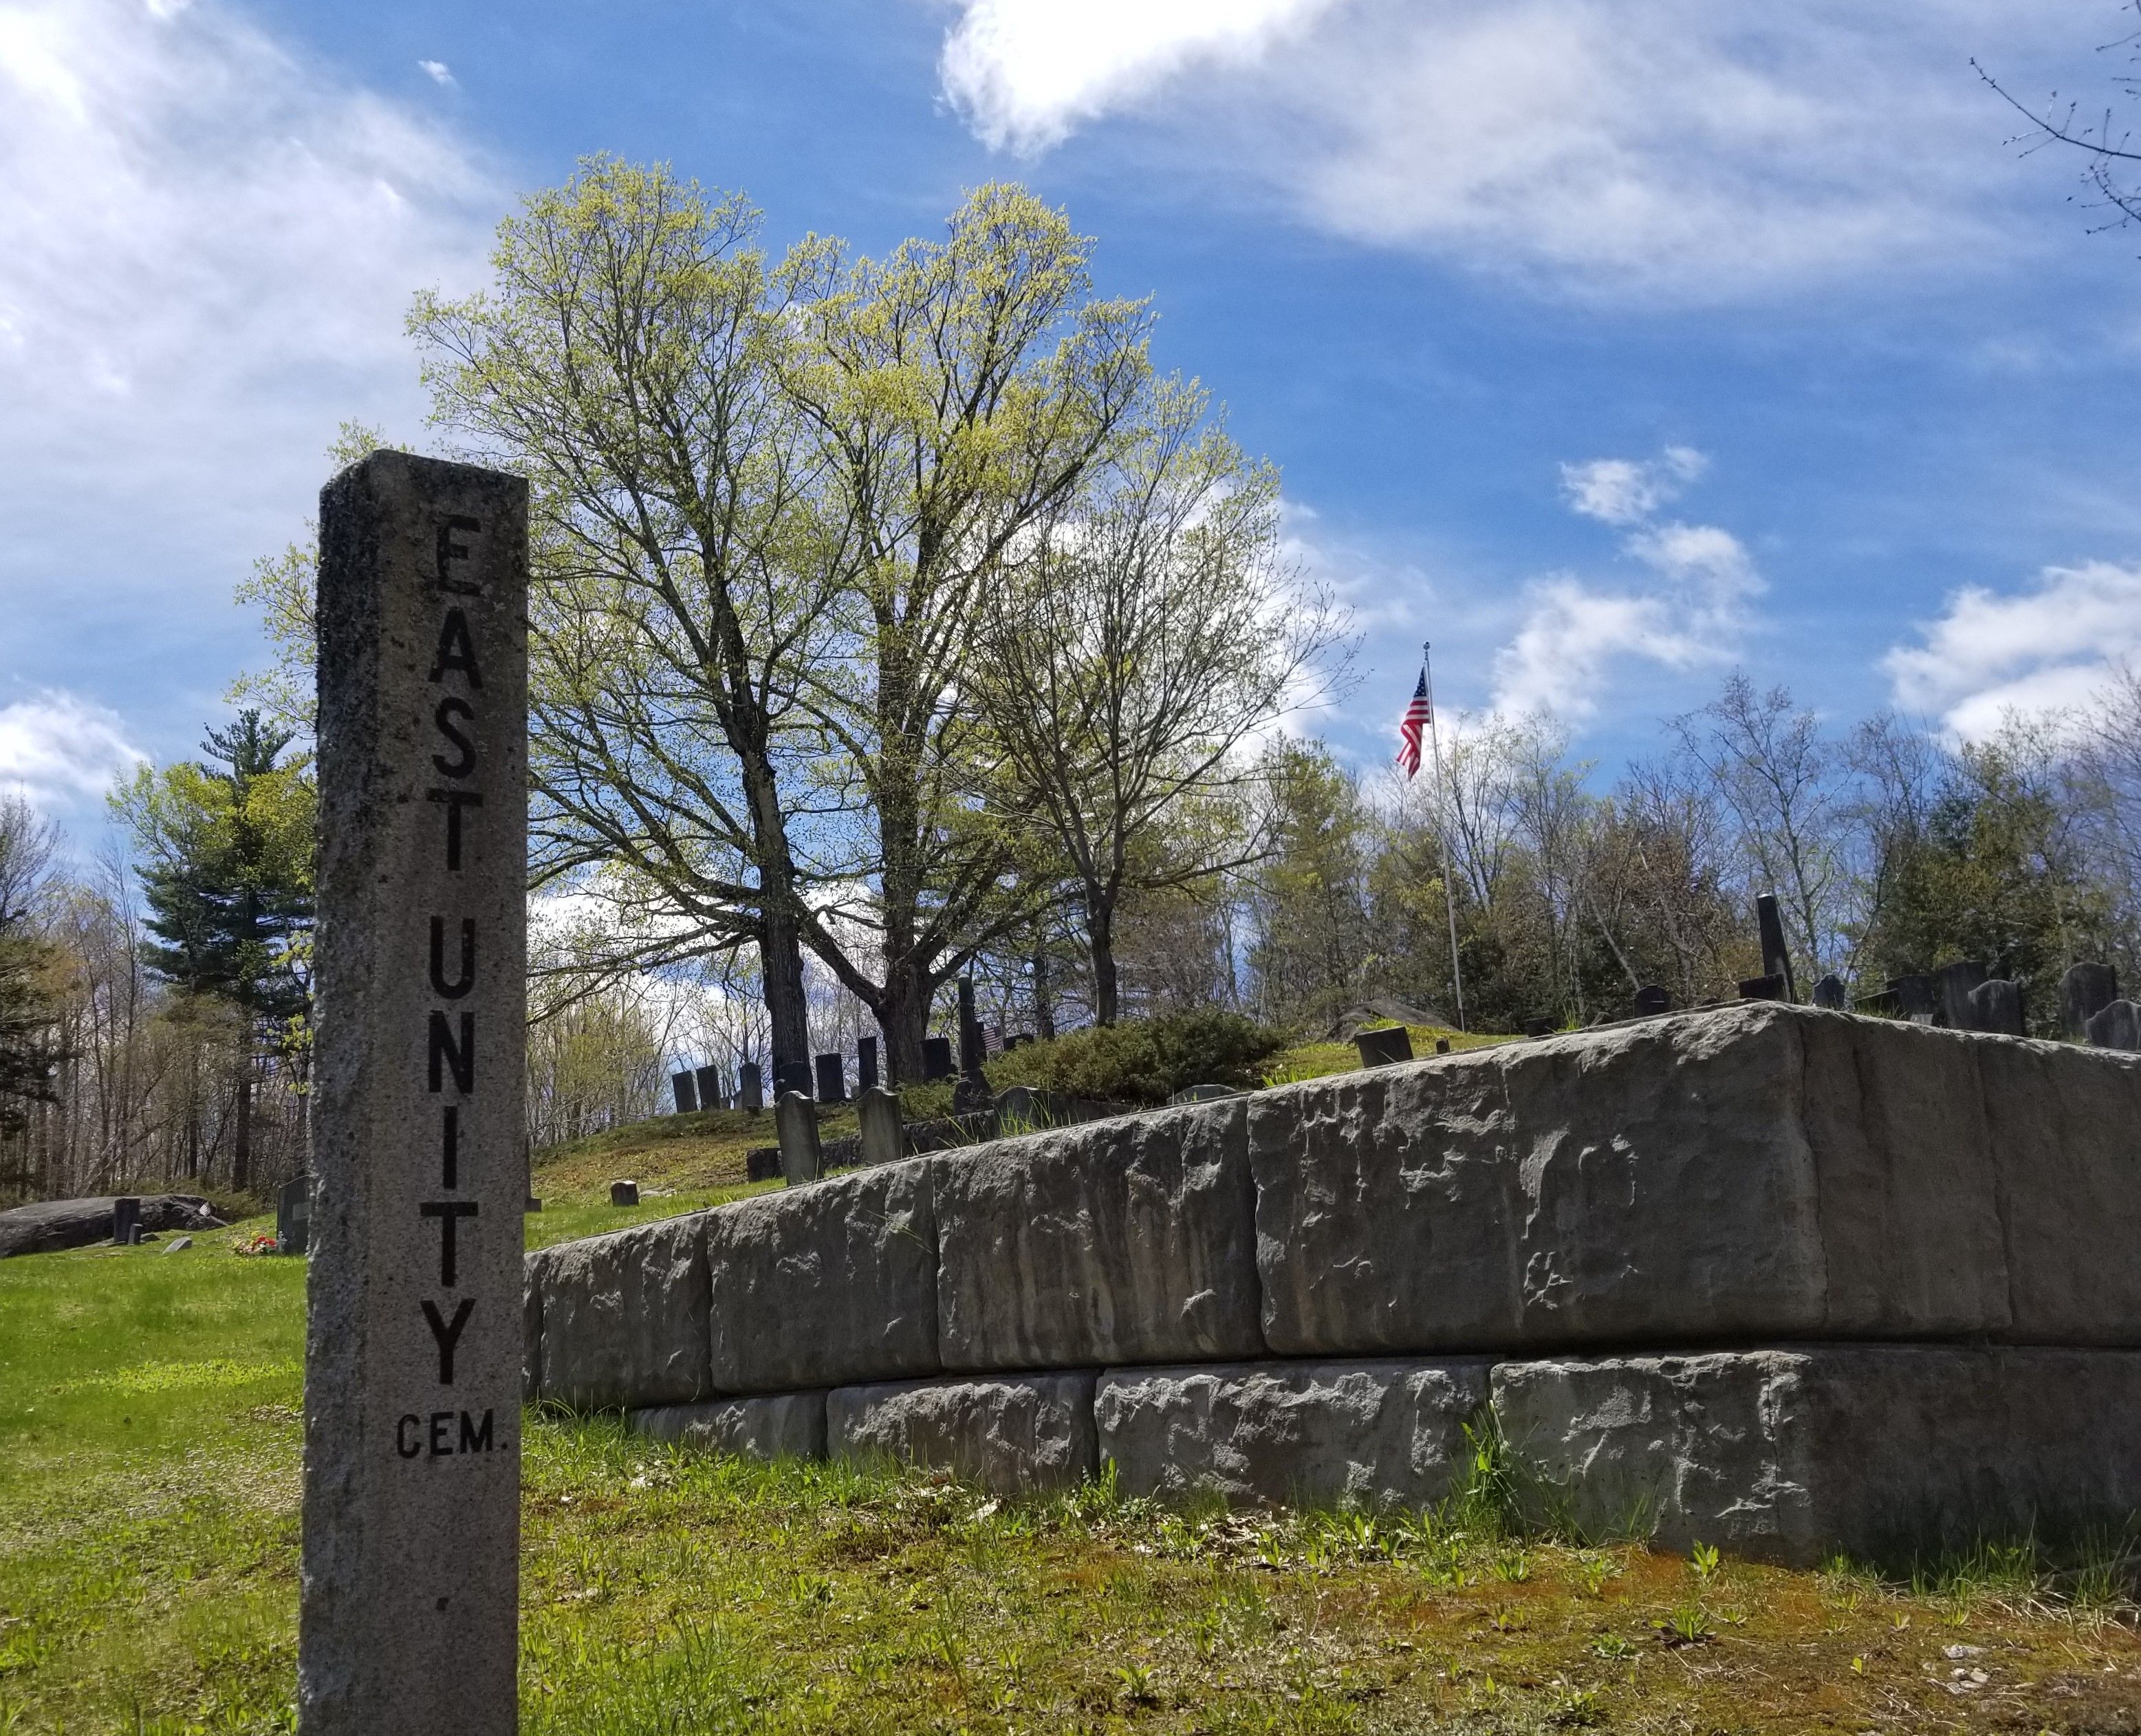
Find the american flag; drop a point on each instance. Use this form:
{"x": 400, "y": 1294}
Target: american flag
{"x": 1417, "y": 716}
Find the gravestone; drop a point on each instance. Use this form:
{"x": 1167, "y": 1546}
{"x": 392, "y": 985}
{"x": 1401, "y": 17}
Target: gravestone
{"x": 125, "y": 1222}
{"x": 762, "y": 1163}
{"x": 1651, "y": 999}
{"x": 1762, "y": 988}
{"x": 791, "y": 1076}
{"x": 1381, "y": 1048}
{"x": 1776, "y": 957}
{"x": 1915, "y": 997}
{"x": 751, "y": 1089}
{"x": 1996, "y": 1006}
{"x": 2116, "y": 1026}
{"x": 709, "y": 1082}
{"x": 795, "y": 1124}
{"x": 1442, "y": 1046}
{"x": 884, "y": 1141}
{"x": 685, "y": 1091}
{"x": 624, "y": 1193}
{"x": 973, "y": 1048}
{"x": 410, "y": 1583}
{"x": 865, "y": 1063}
{"x": 293, "y": 1215}
{"x": 2085, "y": 991}
{"x": 1953, "y": 985}
{"x": 935, "y": 1058}
{"x": 832, "y": 1079}
{"x": 1535, "y": 1027}
{"x": 1829, "y": 993}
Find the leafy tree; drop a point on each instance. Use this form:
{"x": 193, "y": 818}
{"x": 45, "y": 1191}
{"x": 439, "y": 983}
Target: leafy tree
{"x": 225, "y": 849}
{"x": 627, "y": 359}
{"x": 1147, "y": 627}
{"x": 28, "y": 1004}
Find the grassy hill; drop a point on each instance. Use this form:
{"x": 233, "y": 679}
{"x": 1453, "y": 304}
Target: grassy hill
{"x": 683, "y": 1163}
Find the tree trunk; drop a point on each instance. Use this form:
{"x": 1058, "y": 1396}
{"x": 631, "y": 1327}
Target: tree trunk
{"x": 1044, "y": 995}
{"x": 779, "y": 930}
{"x": 903, "y": 1015}
{"x": 241, "y": 1154}
{"x": 1100, "y": 943}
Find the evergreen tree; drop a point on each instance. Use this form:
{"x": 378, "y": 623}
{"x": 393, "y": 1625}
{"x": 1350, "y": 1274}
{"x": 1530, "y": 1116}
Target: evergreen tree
{"x": 227, "y": 876}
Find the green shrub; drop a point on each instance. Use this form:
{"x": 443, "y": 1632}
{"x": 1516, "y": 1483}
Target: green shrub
{"x": 1144, "y": 1060}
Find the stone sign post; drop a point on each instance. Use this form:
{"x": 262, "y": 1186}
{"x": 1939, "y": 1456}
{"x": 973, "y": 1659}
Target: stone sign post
{"x": 409, "y": 1611}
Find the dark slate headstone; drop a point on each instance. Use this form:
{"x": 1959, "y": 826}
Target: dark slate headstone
{"x": 935, "y": 1058}
{"x": 709, "y": 1081}
{"x": 973, "y": 1048}
{"x": 1535, "y": 1027}
{"x": 865, "y": 1063}
{"x": 832, "y": 1078}
{"x": 1776, "y": 957}
{"x": 126, "y": 1220}
{"x": 2085, "y": 991}
{"x": 1762, "y": 988}
{"x": 1916, "y": 996}
{"x": 762, "y": 1163}
{"x": 791, "y": 1078}
{"x": 1953, "y": 985}
{"x": 1381, "y": 1048}
{"x": 1651, "y": 999}
{"x": 751, "y": 1089}
{"x": 1442, "y": 1046}
{"x": 293, "y": 1215}
{"x": 685, "y": 1091}
{"x": 2116, "y": 1026}
{"x": 1829, "y": 992}
{"x": 1996, "y": 1006}
{"x": 624, "y": 1193}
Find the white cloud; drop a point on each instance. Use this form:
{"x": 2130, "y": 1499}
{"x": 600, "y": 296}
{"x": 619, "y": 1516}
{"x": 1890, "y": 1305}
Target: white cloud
{"x": 1025, "y": 72}
{"x": 209, "y": 250}
{"x": 437, "y": 71}
{"x": 60, "y": 748}
{"x": 1620, "y": 490}
{"x": 2046, "y": 648}
{"x": 1690, "y": 612}
{"x": 1668, "y": 149}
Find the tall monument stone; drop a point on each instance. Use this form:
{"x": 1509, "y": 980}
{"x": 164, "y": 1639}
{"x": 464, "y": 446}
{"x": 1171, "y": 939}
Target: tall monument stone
{"x": 410, "y": 1601}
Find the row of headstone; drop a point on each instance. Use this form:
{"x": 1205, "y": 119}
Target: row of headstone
{"x": 702, "y": 1088}
{"x": 2092, "y": 1012}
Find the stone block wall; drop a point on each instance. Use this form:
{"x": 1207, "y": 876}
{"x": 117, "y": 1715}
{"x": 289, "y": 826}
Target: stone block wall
{"x": 1688, "y": 1262}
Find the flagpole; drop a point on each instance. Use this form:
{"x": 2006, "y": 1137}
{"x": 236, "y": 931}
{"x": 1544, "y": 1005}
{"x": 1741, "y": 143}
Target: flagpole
{"x": 1442, "y": 829}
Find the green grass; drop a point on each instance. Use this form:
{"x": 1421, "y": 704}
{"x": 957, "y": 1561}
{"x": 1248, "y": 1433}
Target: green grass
{"x": 148, "y": 1489}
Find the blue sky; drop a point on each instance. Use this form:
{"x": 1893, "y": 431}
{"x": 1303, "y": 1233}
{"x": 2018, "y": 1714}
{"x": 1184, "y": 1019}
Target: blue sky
{"x": 1611, "y": 343}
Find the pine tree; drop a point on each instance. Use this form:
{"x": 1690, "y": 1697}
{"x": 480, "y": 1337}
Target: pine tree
{"x": 227, "y": 878}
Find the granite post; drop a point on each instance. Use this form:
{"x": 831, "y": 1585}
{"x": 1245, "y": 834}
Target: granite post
{"x": 409, "y": 1603}
{"x": 795, "y": 1124}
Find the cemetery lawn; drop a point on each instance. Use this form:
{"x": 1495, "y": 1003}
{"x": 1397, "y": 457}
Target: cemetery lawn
{"x": 149, "y": 1491}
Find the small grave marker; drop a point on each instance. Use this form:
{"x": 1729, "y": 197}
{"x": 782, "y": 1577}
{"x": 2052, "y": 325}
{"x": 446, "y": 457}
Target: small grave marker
{"x": 2085, "y": 991}
{"x": 293, "y": 1215}
{"x": 1381, "y": 1048}
{"x": 1829, "y": 993}
{"x": 1651, "y": 999}
{"x": 624, "y": 1193}
{"x": 409, "y": 1603}
{"x": 796, "y": 1123}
